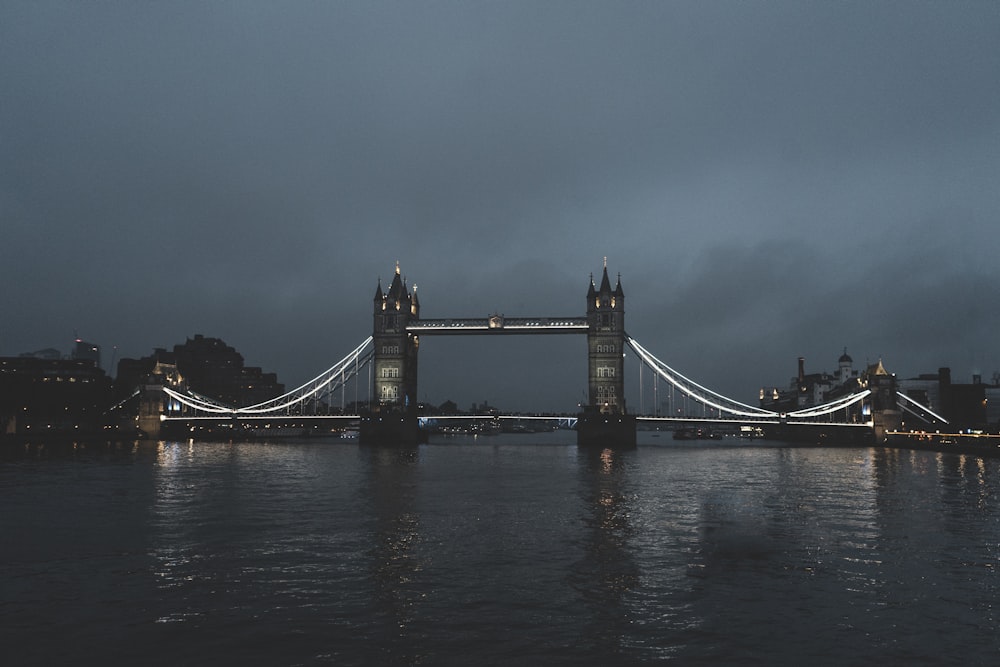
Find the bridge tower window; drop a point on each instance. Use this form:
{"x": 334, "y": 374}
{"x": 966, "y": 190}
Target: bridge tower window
{"x": 606, "y": 394}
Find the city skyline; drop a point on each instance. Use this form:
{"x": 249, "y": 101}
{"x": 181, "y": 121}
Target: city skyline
{"x": 643, "y": 397}
{"x": 771, "y": 180}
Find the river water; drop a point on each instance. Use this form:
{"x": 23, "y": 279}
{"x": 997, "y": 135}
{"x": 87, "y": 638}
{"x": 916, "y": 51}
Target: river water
{"x": 495, "y": 551}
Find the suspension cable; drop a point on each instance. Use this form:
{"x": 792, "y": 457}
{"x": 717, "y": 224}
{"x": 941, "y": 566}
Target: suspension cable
{"x": 330, "y": 380}
{"x": 715, "y": 400}
{"x": 684, "y": 384}
{"x": 921, "y": 406}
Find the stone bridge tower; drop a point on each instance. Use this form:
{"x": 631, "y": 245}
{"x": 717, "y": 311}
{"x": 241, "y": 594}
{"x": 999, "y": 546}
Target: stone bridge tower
{"x": 604, "y": 420}
{"x": 605, "y": 345}
{"x": 393, "y": 415}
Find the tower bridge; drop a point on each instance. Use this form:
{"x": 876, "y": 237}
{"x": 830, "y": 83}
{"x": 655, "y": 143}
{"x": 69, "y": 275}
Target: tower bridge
{"x": 389, "y": 357}
{"x": 397, "y": 328}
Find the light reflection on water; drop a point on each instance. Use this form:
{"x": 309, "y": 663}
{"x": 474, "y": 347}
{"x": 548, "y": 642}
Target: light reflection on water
{"x": 498, "y": 550}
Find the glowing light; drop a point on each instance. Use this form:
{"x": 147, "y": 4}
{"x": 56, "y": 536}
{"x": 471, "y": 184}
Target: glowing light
{"x": 340, "y": 372}
{"x": 724, "y": 404}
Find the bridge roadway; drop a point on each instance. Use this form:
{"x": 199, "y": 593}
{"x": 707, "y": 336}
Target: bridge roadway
{"x": 568, "y": 422}
{"x": 748, "y": 421}
{"x": 563, "y": 420}
{"x": 499, "y": 324}
{"x": 256, "y": 426}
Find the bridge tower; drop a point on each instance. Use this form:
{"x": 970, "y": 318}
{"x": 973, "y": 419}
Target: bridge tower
{"x": 147, "y": 420}
{"x": 884, "y": 406}
{"x": 392, "y": 418}
{"x": 604, "y": 420}
{"x": 151, "y": 399}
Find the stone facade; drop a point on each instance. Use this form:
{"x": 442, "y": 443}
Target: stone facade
{"x": 395, "y": 350}
{"x": 605, "y": 345}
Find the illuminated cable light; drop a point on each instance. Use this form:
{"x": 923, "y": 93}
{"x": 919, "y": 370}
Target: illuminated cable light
{"x": 684, "y": 384}
{"x": 295, "y": 397}
{"x": 687, "y": 386}
{"x": 330, "y": 374}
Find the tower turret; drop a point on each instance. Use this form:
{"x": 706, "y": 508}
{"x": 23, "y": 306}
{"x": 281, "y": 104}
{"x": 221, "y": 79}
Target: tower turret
{"x": 845, "y": 366}
{"x": 414, "y": 304}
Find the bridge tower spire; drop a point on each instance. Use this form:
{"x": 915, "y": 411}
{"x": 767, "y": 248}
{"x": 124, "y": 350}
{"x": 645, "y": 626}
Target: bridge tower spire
{"x": 392, "y": 418}
{"x": 604, "y": 420}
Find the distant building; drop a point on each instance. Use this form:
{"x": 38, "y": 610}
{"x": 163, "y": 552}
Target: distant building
{"x": 965, "y": 406}
{"x": 52, "y": 396}
{"x": 86, "y": 352}
{"x": 806, "y": 389}
{"x": 82, "y": 351}
{"x": 925, "y": 389}
{"x": 209, "y": 367}
{"x": 47, "y": 353}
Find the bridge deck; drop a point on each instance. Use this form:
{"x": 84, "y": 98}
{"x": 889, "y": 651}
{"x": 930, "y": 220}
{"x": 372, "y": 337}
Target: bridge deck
{"x": 749, "y": 421}
{"x": 499, "y": 324}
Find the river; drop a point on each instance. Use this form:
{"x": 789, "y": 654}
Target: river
{"x": 508, "y": 549}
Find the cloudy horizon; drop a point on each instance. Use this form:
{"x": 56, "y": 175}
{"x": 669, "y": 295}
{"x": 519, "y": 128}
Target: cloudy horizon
{"x": 771, "y": 180}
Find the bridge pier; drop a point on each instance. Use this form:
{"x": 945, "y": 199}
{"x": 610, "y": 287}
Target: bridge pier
{"x": 148, "y": 421}
{"x": 390, "y": 427}
{"x": 602, "y": 429}
{"x": 886, "y": 415}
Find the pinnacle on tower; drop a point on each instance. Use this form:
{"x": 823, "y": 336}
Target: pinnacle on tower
{"x": 605, "y": 281}
{"x": 396, "y": 289}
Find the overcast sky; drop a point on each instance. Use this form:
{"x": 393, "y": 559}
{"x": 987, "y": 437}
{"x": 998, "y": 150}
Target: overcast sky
{"x": 771, "y": 180}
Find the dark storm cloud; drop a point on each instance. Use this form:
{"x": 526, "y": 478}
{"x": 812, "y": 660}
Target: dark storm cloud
{"x": 771, "y": 179}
